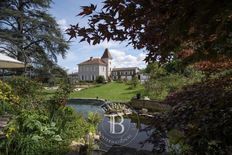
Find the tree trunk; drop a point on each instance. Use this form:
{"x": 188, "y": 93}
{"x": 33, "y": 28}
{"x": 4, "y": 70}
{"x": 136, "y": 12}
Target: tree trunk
{"x": 21, "y": 56}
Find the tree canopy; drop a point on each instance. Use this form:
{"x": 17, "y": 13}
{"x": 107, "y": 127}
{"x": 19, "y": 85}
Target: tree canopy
{"x": 192, "y": 30}
{"x": 29, "y": 33}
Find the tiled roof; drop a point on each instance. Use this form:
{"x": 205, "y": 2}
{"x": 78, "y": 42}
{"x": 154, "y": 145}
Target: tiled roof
{"x": 123, "y": 69}
{"x": 106, "y": 54}
{"x": 93, "y": 61}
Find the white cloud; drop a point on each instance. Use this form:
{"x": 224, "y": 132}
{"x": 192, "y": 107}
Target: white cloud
{"x": 121, "y": 59}
{"x": 102, "y": 45}
{"x": 120, "y": 55}
{"x": 71, "y": 70}
{"x": 106, "y": 44}
{"x": 63, "y": 24}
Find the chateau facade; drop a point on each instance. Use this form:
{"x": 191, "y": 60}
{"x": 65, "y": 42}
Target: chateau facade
{"x": 90, "y": 69}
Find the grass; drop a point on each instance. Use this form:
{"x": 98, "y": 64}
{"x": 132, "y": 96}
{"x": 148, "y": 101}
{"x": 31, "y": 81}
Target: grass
{"x": 112, "y": 91}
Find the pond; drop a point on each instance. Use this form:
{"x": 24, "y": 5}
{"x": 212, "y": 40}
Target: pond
{"x": 134, "y": 129}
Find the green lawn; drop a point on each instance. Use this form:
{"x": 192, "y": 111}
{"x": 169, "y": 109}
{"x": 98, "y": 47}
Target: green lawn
{"x": 112, "y": 91}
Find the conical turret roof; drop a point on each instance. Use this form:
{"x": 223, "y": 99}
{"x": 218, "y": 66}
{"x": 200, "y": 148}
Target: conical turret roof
{"x": 106, "y": 54}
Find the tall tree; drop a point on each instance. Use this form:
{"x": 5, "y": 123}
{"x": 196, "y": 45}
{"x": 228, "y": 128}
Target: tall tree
{"x": 162, "y": 27}
{"x": 28, "y": 32}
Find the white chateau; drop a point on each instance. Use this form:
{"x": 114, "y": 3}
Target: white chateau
{"x": 90, "y": 69}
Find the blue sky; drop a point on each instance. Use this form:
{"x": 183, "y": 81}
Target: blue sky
{"x": 65, "y": 13}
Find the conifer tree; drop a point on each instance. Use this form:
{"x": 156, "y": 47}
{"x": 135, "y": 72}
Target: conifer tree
{"x": 29, "y": 33}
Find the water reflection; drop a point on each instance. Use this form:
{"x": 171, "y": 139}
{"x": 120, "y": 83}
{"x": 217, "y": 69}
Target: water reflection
{"x": 133, "y": 127}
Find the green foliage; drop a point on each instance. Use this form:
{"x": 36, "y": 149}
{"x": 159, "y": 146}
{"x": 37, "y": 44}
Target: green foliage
{"x": 50, "y": 74}
{"x": 29, "y": 91}
{"x": 202, "y": 112}
{"x": 94, "y": 118}
{"x": 167, "y": 78}
{"x": 8, "y": 101}
{"x": 164, "y": 80}
{"x": 7, "y": 95}
{"x": 62, "y": 93}
{"x": 155, "y": 70}
{"x": 176, "y": 143}
{"x": 100, "y": 79}
{"x": 31, "y": 133}
{"x": 161, "y": 27}
{"x": 175, "y": 66}
{"x": 119, "y": 80}
{"x": 25, "y": 87}
{"x": 47, "y": 128}
{"x": 134, "y": 82}
{"x": 29, "y": 33}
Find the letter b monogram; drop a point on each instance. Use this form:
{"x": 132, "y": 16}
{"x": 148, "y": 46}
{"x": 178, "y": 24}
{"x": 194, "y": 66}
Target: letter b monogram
{"x": 113, "y": 124}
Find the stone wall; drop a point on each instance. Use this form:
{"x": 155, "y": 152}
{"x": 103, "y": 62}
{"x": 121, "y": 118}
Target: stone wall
{"x": 151, "y": 105}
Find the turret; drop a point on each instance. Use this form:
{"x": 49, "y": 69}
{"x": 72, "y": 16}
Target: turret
{"x": 107, "y": 58}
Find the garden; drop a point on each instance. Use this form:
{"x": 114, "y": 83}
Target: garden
{"x": 38, "y": 125}
{"x": 187, "y": 47}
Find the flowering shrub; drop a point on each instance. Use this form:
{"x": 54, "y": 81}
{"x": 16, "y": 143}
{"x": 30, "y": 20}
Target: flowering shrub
{"x": 7, "y": 95}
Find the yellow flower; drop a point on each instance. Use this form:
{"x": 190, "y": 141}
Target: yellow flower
{"x": 6, "y": 93}
{"x": 7, "y": 136}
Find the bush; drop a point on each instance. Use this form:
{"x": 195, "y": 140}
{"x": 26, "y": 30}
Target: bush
{"x": 8, "y": 101}
{"x": 47, "y": 128}
{"x": 100, "y": 79}
{"x": 161, "y": 82}
{"x": 203, "y": 113}
{"x": 175, "y": 66}
{"x": 32, "y": 132}
{"x": 62, "y": 93}
{"x": 134, "y": 82}
{"x": 25, "y": 87}
{"x": 7, "y": 95}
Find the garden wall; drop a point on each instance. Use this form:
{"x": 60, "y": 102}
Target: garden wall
{"x": 151, "y": 105}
